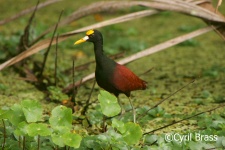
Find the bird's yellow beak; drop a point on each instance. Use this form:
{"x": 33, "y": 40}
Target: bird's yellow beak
{"x": 84, "y": 39}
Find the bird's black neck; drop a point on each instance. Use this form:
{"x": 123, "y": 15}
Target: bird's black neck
{"x": 99, "y": 56}
{"x": 102, "y": 61}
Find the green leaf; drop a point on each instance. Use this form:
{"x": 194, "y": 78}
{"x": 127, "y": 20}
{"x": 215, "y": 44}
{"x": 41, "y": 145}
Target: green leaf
{"x": 132, "y": 134}
{"x": 21, "y": 128}
{"x": 205, "y": 94}
{"x": 57, "y": 139}
{"x": 95, "y": 116}
{"x": 109, "y": 104}
{"x": 217, "y": 124}
{"x": 103, "y": 137}
{"x": 196, "y": 145}
{"x": 103, "y": 141}
{"x": 3, "y": 114}
{"x": 61, "y": 116}
{"x": 35, "y": 129}
{"x": 223, "y": 143}
{"x": 56, "y": 93}
{"x": 32, "y": 110}
{"x": 131, "y": 31}
{"x": 119, "y": 125}
{"x": 3, "y": 87}
{"x": 157, "y": 112}
{"x": 72, "y": 139}
{"x": 61, "y": 129}
{"x": 150, "y": 139}
{"x": 189, "y": 42}
{"x": 220, "y": 142}
{"x": 115, "y": 136}
{"x": 89, "y": 142}
{"x": 15, "y": 114}
{"x": 57, "y": 134}
{"x": 199, "y": 101}
{"x": 219, "y": 99}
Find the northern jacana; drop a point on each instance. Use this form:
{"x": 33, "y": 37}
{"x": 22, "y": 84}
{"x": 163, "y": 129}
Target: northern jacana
{"x": 111, "y": 76}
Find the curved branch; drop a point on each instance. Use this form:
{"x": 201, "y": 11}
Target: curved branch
{"x": 186, "y": 7}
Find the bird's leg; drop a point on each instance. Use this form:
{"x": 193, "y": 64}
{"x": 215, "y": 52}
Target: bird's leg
{"x": 121, "y": 106}
{"x": 133, "y": 109}
{"x": 104, "y": 126}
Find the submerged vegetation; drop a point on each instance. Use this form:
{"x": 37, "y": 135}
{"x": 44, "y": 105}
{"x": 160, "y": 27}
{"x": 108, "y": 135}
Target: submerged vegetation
{"x": 42, "y": 110}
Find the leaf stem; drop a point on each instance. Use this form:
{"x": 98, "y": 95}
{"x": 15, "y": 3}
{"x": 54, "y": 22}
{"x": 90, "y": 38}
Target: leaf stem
{"x": 4, "y": 134}
{"x": 49, "y": 47}
{"x": 38, "y": 142}
{"x": 24, "y": 142}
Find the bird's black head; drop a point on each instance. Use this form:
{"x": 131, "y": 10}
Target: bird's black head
{"x": 91, "y": 36}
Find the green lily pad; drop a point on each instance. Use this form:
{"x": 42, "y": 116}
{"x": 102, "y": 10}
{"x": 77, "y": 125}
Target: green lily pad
{"x": 61, "y": 116}
{"x": 15, "y": 114}
{"x": 35, "y": 129}
{"x": 220, "y": 142}
{"x": 119, "y": 125}
{"x": 57, "y": 139}
{"x": 32, "y": 110}
{"x": 58, "y": 133}
{"x": 72, "y": 139}
{"x": 132, "y": 134}
{"x": 149, "y": 139}
{"x": 21, "y": 128}
{"x": 109, "y": 104}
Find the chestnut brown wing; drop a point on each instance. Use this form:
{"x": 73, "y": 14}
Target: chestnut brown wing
{"x": 126, "y": 81}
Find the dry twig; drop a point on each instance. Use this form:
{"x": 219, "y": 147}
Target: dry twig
{"x": 50, "y": 44}
{"x": 24, "y": 39}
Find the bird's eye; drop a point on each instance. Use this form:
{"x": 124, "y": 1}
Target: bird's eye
{"x": 91, "y": 35}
